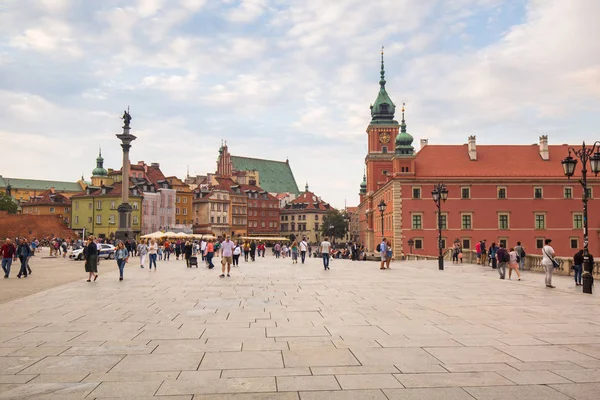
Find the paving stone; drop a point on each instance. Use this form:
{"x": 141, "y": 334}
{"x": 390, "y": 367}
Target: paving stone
{"x": 12, "y": 365}
{"x": 530, "y": 392}
{"x": 427, "y": 394}
{"x": 344, "y": 395}
{"x": 374, "y": 369}
{"x": 107, "y": 350}
{"x": 544, "y": 365}
{"x": 368, "y": 381}
{"x": 545, "y": 353}
{"x": 319, "y": 358}
{"x": 452, "y": 379}
{"x": 73, "y": 364}
{"x": 469, "y": 355}
{"x": 214, "y": 386}
{"x": 133, "y": 376}
{"x": 39, "y": 351}
{"x": 297, "y": 383}
{"x": 580, "y": 391}
{"x": 243, "y": 359}
{"x": 248, "y": 396}
{"x": 159, "y": 362}
{"x": 8, "y": 379}
{"x": 534, "y": 377}
{"x": 126, "y": 389}
{"x": 578, "y": 375}
{"x": 298, "y": 331}
{"x": 394, "y": 356}
{"x": 199, "y": 375}
{"x": 41, "y": 390}
{"x": 61, "y": 378}
{"x": 246, "y": 373}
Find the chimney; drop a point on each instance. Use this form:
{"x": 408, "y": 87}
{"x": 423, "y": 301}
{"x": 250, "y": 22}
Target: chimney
{"x": 472, "y": 148}
{"x": 544, "y": 148}
{"x": 155, "y": 165}
{"x": 424, "y": 142}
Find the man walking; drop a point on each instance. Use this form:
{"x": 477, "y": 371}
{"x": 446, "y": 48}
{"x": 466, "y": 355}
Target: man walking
{"x": 202, "y": 248}
{"x": 503, "y": 258}
{"x": 484, "y": 258}
{"x": 383, "y": 253}
{"x": 325, "y": 248}
{"x": 227, "y": 248}
{"x": 253, "y": 250}
{"x": 548, "y": 262}
{"x": 8, "y": 254}
{"x": 520, "y": 249}
{"x": 23, "y": 252}
{"x": 303, "y": 249}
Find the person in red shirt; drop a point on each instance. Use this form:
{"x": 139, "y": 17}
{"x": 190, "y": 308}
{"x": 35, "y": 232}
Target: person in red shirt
{"x": 8, "y": 252}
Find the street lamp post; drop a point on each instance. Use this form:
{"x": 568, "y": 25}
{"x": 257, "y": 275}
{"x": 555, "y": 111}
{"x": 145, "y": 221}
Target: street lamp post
{"x": 381, "y": 206}
{"x": 439, "y": 194}
{"x": 585, "y": 154}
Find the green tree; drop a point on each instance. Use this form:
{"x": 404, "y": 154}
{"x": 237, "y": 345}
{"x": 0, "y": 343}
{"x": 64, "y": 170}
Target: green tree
{"x": 8, "y": 204}
{"x": 333, "y": 225}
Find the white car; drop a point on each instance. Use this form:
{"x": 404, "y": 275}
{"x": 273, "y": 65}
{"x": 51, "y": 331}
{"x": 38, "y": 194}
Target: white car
{"x": 106, "y": 251}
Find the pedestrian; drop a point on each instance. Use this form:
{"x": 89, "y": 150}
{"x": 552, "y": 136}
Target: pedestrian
{"x": 142, "y": 250}
{"x": 253, "y": 250}
{"x": 478, "y": 252}
{"x": 520, "y": 249}
{"x": 382, "y": 249}
{"x": 295, "y": 252}
{"x": 91, "y": 259}
{"x": 284, "y": 251}
{"x": 160, "y": 252}
{"x": 503, "y": 258}
{"x": 23, "y": 252}
{"x": 389, "y": 254}
{"x": 177, "y": 249}
{"x": 64, "y": 248}
{"x": 277, "y": 249}
{"x": 493, "y": 250}
{"x": 548, "y": 262}
{"x": 455, "y": 251}
{"x": 167, "y": 250}
{"x": 513, "y": 263}
{"x": 8, "y": 252}
{"x": 236, "y": 254}
{"x": 152, "y": 251}
{"x": 578, "y": 261}
{"x": 29, "y": 258}
{"x": 325, "y": 248}
{"x": 484, "y": 252}
{"x": 187, "y": 253}
{"x": 122, "y": 256}
{"x": 303, "y": 249}
{"x": 210, "y": 252}
{"x": 227, "y": 249}
{"x": 203, "y": 248}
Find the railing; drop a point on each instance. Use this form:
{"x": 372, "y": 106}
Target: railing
{"x": 533, "y": 262}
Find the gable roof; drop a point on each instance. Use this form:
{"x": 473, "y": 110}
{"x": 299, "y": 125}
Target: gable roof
{"x": 48, "y": 198}
{"x": 308, "y": 201}
{"x": 116, "y": 189}
{"x": 36, "y": 184}
{"x": 504, "y": 161}
{"x": 274, "y": 176}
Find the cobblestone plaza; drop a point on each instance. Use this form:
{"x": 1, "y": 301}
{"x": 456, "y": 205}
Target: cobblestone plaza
{"x": 280, "y": 332}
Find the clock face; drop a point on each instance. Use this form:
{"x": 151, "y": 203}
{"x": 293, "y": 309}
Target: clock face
{"x": 384, "y": 137}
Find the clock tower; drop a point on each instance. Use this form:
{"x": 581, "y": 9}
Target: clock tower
{"x": 382, "y": 132}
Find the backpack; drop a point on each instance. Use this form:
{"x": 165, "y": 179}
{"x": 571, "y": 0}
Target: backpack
{"x": 378, "y": 247}
{"x": 506, "y": 257}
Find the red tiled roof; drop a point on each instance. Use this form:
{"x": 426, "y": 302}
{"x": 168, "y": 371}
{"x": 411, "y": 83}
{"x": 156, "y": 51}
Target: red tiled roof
{"x": 154, "y": 174}
{"x": 312, "y": 200}
{"x": 48, "y": 198}
{"x": 114, "y": 189}
{"x": 352, "y": 209}
{"x": 492, "y": 161}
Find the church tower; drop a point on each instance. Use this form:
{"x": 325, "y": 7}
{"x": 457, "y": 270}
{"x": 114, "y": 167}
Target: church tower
{"x": 224, "y": 164}
{"x": 382, "y": 132}
{"x": 100, "y": 174}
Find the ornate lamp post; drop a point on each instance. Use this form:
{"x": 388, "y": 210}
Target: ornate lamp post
{"x": 585, "y": 154}
{"x": 381, "y": 206}
{"x": 439, "y": 194}
{"x": 347, "y": 222}
{"x": 124, "y": 231}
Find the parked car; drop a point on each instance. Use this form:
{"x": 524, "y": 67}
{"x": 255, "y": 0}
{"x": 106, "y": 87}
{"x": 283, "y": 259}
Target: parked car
{"x": 106, "y": 251}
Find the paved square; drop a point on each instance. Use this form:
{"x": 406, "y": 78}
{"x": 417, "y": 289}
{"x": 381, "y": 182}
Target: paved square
{"x": 280, "y": 331}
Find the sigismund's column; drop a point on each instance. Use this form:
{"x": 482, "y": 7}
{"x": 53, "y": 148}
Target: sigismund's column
{"x": 124, "y": 231}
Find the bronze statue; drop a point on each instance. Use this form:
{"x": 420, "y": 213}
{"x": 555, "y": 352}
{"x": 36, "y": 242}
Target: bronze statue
{"x": 126, "y": 118}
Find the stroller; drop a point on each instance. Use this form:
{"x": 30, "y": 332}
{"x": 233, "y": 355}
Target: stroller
{"x": 194, "y": 261}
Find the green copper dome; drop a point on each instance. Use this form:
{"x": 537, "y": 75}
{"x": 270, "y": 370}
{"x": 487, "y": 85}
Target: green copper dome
{"x": 99, "y": 170}
{"x": 404, "y": 140}
{"x": 382, "y": 111}
{"x": 363, "y": 185}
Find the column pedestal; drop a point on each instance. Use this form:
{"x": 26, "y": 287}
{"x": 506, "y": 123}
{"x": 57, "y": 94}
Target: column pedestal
{"x": 124, "y": 232}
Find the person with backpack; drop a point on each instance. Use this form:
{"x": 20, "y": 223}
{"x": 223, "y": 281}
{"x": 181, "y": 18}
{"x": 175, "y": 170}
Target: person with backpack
{"x": 520, "y": 249}
{"x": 514, "y": 263}
{"x": 493, "y": 249}
{"x": 503, "y": 258}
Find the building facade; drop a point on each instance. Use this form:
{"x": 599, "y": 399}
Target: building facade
{"x": 24, "y": 189}
{"x": 49, "y": 203}
{"x": 500, "y": 193}
{"x": 211, "y": 211}
{"x": 353, "y": 223}
{"x": 183, "y": 204}
{"x": 303, "y": 217}
{"x": 94, "y": 212}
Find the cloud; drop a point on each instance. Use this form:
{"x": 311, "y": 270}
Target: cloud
{"x": 247, "y": 11}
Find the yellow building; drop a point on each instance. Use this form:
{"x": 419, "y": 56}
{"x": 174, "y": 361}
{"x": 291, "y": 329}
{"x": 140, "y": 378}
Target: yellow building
{"x": 183, "y": 202}
{"x": 303, "y": 217}
{"x": 23, "y": 190}
{"x": 95, "y": 211}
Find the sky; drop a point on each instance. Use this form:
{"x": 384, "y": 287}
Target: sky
{"x": 284, "y": 79}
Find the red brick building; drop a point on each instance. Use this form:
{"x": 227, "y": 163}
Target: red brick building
{"x": 500, "y": 193}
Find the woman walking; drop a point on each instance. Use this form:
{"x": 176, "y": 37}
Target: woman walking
{"x": 295, "y": 252}
{"x": 210, "y": 252}
{"x": 187, "y": 253}
{"x": 513, "y": 263}
{"x": 122, "y": 256}
{"x": 389, "y": 253}
{"x": 493, "y": 251}
{"x": 153, "y": 252}
{"x": 142, "y": 251}
{"x": 236, "y": 255}
{"x": 91, "y": 260}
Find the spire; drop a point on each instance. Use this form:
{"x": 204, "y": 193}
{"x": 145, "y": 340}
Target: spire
{"x": 404, "y": 139}
{"x": 403, "y": 123}
{"x": 99, "y": 170}
{"x": 306, "y": 187}
{"x": 100, "y": 150}
{"x": 382, "y": 80}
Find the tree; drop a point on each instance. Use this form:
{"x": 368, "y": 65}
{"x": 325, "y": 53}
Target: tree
{"x": 333, "y": 224}
{"x": 8, "y": 204}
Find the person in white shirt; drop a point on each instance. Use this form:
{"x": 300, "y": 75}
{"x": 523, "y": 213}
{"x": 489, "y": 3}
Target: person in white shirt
{"x": 237, "y": 251}
{"x": 383, "y": 252}
{"x": 303, "y": 249}
{"x": 325, "y": 248}
{"x": 547, "y": 257}
{"x": 203, "y": 248}
{"x": 227, "y": 248}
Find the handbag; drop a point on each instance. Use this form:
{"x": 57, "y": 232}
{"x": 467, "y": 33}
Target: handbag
{"x": 555, "y": 263}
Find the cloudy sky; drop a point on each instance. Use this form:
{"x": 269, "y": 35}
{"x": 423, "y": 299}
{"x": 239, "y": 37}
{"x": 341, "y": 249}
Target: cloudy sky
{"x": 286, "y": 79}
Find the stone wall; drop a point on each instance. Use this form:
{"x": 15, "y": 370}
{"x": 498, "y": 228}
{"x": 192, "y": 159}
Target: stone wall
{"x": 38, "y": 226}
